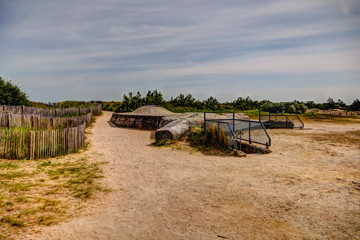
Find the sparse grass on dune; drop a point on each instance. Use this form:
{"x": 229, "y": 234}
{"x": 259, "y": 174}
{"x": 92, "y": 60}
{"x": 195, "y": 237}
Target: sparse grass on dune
{"x": 44, "y": 192}
{"x": 349, "y": 138}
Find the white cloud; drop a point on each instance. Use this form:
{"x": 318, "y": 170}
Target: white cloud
{"x": 350, "y": 7}
{"x": 138, "y": 44}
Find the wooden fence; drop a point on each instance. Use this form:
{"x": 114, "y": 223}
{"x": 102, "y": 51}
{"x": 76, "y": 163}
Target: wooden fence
{"x": 51, "y": 112}
{"x": 33, "y": 133}
{"x": 25, "y": 144}
{"x": 39, "y": 122}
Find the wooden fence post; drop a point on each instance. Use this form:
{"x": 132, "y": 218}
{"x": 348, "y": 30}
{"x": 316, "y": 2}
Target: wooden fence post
{"x": 31, "y": 144}
{"x": 32, "y": 120}
{"x": 8, "y": 120}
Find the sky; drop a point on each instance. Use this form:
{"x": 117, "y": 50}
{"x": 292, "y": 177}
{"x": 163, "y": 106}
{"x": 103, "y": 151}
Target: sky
{"x": 99, "y": 50}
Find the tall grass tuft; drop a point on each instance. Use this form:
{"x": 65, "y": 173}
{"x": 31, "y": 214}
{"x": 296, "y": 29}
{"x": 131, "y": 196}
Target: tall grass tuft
{"x": 216, "y": 137}
{"x": 212, "y": 137}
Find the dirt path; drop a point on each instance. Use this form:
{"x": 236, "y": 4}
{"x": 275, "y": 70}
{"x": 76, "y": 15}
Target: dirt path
{"x": 303, "y": 190}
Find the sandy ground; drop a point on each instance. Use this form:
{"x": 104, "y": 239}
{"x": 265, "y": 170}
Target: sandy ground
{"x": 303, "y": 190}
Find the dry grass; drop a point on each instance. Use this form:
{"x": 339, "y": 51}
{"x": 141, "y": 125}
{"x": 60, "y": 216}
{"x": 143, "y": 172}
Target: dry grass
{"x": 348, "y": 138}
{"x": 44, "y": 192}
{"x": 329, "y": 118}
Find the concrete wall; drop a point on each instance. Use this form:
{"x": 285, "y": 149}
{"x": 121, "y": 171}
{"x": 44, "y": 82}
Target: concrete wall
{"x": 137, "y": 121}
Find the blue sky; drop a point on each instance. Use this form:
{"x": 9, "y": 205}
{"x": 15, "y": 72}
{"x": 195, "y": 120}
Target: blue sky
{"x": 99, "y": 50}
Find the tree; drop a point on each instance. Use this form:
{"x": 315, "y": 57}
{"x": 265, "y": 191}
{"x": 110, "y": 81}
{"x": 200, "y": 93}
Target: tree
{"x": 211, "y": 103}
{"x": 340, "y": 104}
{"x": 330, "y": 103}
{"x": 126, "y": 101}
{"x": 245, "y": 103}
{"x": 284, "y": 107}
{"x": 355, "y": 106}
{"x": 11, "y": 94}
{"x": 153, "y": 98}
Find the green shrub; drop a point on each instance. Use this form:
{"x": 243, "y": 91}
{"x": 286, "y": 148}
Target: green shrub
{"x": 285, "y": 107}
{"x": 11, "y": 94}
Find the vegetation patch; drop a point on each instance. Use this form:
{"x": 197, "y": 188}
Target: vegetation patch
{"x": 44, "y": 192}
{"x": 210, "y": 142}
{"x": 15, "y": 222}
{"x": 8, "y": 165}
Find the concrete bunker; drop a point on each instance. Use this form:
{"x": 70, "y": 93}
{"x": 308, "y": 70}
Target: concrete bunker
{"x": 169, "y": 125}
{"x": 150, "y": 117}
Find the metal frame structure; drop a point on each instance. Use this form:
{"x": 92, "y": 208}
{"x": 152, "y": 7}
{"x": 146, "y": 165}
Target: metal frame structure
{"x": 287, "y": 123}
{"x": 240, "y": 135}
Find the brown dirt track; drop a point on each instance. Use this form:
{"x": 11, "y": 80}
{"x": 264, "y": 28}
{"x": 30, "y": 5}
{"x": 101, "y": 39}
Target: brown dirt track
{"x": 305, "y": 189}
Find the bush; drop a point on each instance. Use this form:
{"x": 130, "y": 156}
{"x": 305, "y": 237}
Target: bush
{"x": 355, "y": 106}
{"x": 285, "y": 107}
{"x": 11, "y": 94}
{"x": 212, "y": 137}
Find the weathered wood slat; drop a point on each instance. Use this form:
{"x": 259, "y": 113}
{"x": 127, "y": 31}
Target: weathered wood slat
{"x": 57, "y": 136}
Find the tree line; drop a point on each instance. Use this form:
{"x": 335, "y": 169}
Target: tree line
{"x": 12, "y": 94}
{"x": 187, "y": 103}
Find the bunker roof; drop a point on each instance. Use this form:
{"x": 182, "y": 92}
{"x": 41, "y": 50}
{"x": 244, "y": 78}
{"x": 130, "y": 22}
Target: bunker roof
{"x": 151, "y": 110}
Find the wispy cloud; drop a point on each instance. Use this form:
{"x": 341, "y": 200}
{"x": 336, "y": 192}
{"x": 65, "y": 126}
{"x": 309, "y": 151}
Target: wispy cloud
{"x": 102, "y": 49}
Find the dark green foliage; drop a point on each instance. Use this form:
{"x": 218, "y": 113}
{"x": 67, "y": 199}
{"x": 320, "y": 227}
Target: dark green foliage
{"x": 11, "y": 94}
{"x": 212, "y": 103}
{"x": 38, "y": 104}
{"x": 153, "y": 98}
{"x": 131, "y": 102}
{"x": 285, "y": 107}
{"x": 329, "y": 104}
{"x": 355, "y": 106}
{"x": 247, "y": 103}
{"x": 72, "y": 104}
{"x": 187, "y": 103}
{"x": 341, "y": 104}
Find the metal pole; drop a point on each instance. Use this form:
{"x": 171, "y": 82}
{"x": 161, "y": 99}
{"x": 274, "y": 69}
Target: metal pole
{"x": 241, "y": 133}
{"x": 204, "y": 120}
{"x": 269, "y": 117}
{"x": 259, "y": 115}
{"x": 233, "y": 121}
{"x": 286, "y": 126}
{"x": 249, "y": 132}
